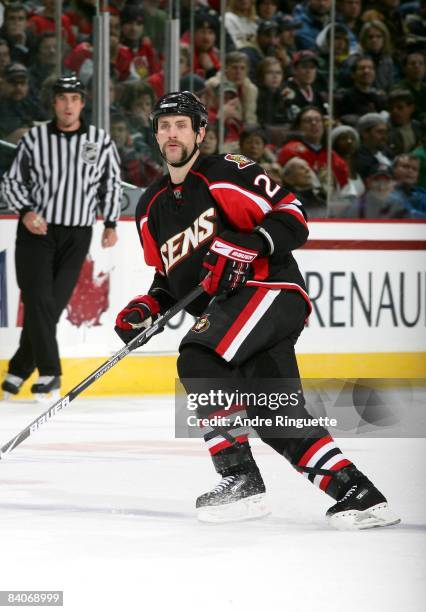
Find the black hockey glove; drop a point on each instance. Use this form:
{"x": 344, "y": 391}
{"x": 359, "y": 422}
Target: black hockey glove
{"x": 228, "y": 263}
{"x": 140, "y": 313}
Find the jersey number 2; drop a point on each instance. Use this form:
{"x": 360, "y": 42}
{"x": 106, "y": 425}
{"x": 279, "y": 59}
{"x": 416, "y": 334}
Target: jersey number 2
{"x": 270, "y": 191}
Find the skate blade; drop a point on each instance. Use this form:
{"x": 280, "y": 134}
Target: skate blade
{"x": 353, "y": 520}
{"x": 46, "y": 398}
{"x": 246, "y": 509}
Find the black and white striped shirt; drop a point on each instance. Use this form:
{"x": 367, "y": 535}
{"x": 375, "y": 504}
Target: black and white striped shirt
{"x": 64, "y": 176}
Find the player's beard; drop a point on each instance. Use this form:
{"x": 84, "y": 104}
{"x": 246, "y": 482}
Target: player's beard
{"x": 184, "y": 153}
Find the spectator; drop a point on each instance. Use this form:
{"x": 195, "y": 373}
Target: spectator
{"x": 310, "y": 146}
{"x": 420, "y": 153}
{"x": 416, "y": 23}
{"x": 232, "y": 112}
{"x": 236, "y": 71}
{"x": 81, "y": 14}
{"x": 271, "y": 108}
{"x": 348, "y": 13}
{"x": 80, "y": 60}
{"x": 206, "y": 55}
{"x": 404, "y": 132}
{"x": 15, "y": 31}
{"x": 407, "y": 192}
{"x": 156, "y": 80}
{"x": 265, "y": 44}
{"x": 362, "y": 97}
{"x": 210, "y": 144}
{"x": 376, "y": 202}
{"x": 4, "y": 61}
{"x": 341, "y": 52}
{"x": 136, "y": 167}
{"x": 44, "y": 63}
{"x": 287, "y": 44}
{"x": 374, "y": 149}
{"x": 18, "y": 109}
{"x": 155, "y": 20}
{"x": 253, "y": 143}
{"x": 144, "y": 57}
{"x": 345, "y": 141}
{"x": 240, "y": 22}
{"x": 268, "y": 9}
{"x": 137, "y": 101}
{"x": 44, "y": 21}
{"x": 375, "y": 42}
{"x": 299, "y": 178}
{"x": 301, "y": 89}
{"x": 414, "y": 68}
{"x": 314, "y": 15}
{"x": 387, "y": 11}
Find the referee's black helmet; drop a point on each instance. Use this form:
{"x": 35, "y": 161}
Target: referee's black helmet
{"x": 69, "y": 84}
{"x": 180, "y": 103}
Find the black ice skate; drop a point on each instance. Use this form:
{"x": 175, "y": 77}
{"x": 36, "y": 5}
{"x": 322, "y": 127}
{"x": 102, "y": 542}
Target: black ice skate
{"x": 362, "y": 507}
{"x": 240, "y": 495}
{"x": 11, "y": 385}
{"x": 46, "y": 388}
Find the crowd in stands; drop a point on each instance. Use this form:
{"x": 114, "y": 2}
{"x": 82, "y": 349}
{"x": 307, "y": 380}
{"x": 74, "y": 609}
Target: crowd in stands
{"x": 276, "y": 89}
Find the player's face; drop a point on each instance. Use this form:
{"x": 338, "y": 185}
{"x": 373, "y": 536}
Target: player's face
{"x": 176, "y": 137}
{"x": 68, "y": 107}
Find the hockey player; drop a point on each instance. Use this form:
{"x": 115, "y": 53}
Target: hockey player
{"x": 221, "y": 219}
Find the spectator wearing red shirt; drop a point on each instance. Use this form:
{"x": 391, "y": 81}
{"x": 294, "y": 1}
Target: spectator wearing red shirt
{"x": 145, "y": 59}
{"x": 206, "y": 55}
{"x": 310, "y": 146}
{"x": 45, "y": 22}
{"x": 80, "y": 60}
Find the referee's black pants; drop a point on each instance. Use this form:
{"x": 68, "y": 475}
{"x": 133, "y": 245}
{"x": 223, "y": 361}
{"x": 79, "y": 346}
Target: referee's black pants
{"x": 47, "y": 270}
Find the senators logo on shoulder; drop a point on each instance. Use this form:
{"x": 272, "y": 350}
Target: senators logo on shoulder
{"x": 241, "y": 161}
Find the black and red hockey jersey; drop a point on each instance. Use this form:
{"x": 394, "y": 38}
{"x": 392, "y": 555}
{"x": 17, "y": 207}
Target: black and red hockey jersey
{"x": 176, "y": 224}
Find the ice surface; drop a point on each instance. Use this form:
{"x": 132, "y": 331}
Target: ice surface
{"x": 100, "y": 503}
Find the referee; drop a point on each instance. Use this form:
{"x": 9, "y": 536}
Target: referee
{"x": 62, "y": 172}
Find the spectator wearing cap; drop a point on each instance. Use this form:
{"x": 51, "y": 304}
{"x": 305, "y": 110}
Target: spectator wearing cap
{"x": 414, "y": 69}
{"x": 287, "y": 45}
{"x": 271, "y": 108}
{"x": 44, "y": 21}
{"x": 16, "y": 32}
{"x": 349, "y": 14}
{"x": 407, "y": 192}
{"x": 17, "y": 108}
{"x": 302, "y": 88}
{"x": 206, "y": 54}
{"x": 345, "y": 141}
{"x": 404, "y": 132}
{"x": 232, "y": 111}
{"x": 253, "y": 144}
{"x": 341, "y": 52}
{"x": 236, "y": 71}
{"x": 310, "y": 146}
{"x": 374, "y": 149}
{"x": 264, "y": 45}
{"x": 299, "y": 178}
{"x": 240, "y": 22}
{"x": 362, "y": 97}
{"x": 145, "y": 59}
{"x": 314, "y": 15}
{"x": 377, "y": 202}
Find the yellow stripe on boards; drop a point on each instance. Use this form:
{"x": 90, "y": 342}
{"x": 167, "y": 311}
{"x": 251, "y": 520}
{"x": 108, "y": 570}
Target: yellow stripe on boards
{"x": 156, "y": 374}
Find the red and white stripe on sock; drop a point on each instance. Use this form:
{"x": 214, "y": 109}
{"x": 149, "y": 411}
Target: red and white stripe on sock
{"x": 322, "y": 454}
{"x": 215, "y": 441}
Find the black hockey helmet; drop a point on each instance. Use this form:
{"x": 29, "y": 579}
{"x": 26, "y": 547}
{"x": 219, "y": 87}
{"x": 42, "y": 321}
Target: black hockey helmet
{"x": 180, "y": 103}
{"x": 69, "y": 84}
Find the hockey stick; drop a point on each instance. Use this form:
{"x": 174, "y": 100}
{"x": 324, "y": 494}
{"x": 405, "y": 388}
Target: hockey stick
{"x": 133, "y": 344}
